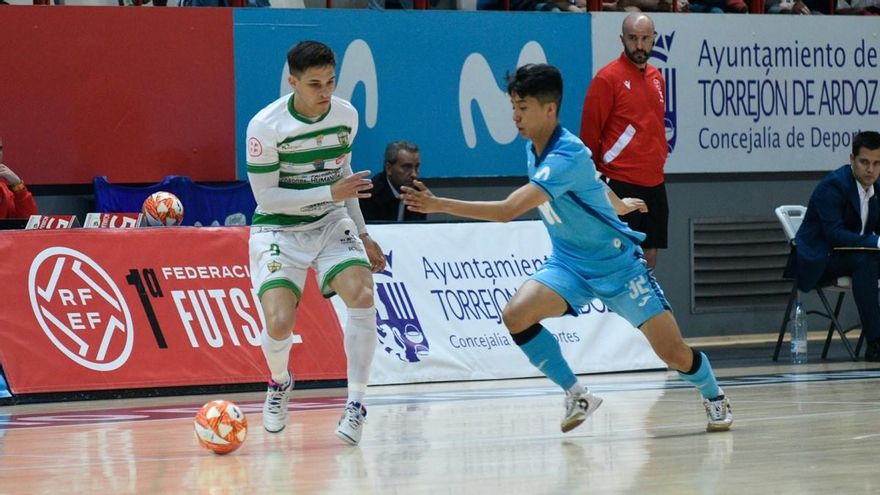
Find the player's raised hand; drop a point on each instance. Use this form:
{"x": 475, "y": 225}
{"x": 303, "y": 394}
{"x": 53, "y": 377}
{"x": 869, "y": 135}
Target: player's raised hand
{"x": 355, "y": 185}
{"x": 626, "y": 205}
{"x": 630, "y": 205}
{"x": 418, "y": 197}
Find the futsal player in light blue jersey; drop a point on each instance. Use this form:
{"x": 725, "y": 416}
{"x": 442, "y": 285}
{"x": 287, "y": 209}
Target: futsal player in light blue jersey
{"x": 595, "y": 255}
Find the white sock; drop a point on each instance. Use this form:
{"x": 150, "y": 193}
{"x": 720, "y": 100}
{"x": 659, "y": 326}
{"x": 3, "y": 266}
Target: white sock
{"x": 577, "y": 388}
{"x": 360, "y": 345}
{"x": 277, "y": 353}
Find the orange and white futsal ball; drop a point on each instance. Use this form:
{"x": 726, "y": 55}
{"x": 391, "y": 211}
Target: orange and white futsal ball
{"x": 220, "y": 426}
{"x": 162, "y": 208}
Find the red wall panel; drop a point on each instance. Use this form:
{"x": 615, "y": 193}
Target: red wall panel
{"x": 134, "y": 94}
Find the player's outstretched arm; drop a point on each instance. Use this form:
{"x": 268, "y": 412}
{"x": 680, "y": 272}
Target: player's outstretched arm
{"x": 419, "y": 198}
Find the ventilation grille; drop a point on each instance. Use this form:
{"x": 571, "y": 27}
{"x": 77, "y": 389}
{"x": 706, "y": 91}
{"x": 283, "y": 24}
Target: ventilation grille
{"x": 737, "y": 264}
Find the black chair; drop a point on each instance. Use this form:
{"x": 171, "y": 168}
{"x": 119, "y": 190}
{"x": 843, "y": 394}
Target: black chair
{"x": 790, "y": 217}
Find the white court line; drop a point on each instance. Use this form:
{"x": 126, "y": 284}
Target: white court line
{"x": 866, "y": 436}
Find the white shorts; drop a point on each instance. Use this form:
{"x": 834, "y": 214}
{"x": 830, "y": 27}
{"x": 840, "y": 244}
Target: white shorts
{"x": 281, "y": 258}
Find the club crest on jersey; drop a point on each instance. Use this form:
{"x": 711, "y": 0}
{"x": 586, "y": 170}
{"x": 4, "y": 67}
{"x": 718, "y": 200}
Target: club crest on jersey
{"x": 318, "y": 164}
{"x": 319, "y": 139}
{"x": 273, "y": 266}
{"x": 343, "y": 137}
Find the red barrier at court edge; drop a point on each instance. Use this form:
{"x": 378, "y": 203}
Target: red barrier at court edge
{"x": 103, "y": 309}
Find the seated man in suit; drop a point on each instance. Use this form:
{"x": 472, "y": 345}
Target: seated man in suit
{"x": 844, "y": 212}
{"x": 402, "y": 163}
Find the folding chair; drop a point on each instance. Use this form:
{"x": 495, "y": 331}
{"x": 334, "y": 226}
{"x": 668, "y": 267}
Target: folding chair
{"x": 790, "y": 217}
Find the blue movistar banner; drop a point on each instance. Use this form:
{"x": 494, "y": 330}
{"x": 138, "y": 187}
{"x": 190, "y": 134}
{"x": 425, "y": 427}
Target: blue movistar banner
{"x": 434, "y": 78}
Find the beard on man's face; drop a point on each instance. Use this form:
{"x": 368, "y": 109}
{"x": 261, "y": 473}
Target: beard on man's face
{"x": 637, "y": 56}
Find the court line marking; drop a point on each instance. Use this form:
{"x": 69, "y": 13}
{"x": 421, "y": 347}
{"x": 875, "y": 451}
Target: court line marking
{"x": 153, "y": 413}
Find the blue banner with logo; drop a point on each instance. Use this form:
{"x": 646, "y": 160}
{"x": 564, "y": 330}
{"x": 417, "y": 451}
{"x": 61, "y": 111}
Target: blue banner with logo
{"x": 434, "y": 78}
{"x": 209, "y": 205}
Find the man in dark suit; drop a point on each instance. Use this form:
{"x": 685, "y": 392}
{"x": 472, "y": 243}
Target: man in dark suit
{"x": 402, "y": 162}
{"x": 844, "y": 212}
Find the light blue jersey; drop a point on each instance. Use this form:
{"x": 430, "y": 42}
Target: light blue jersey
{"x": 595, "y": 254}
{"x": 584, "y": 229}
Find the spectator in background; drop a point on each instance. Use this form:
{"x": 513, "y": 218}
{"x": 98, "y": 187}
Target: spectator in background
{"x": 857, "y": 7}
{"x": 539, "y": 5}
{"x": 643, "y": 5}
{"x": 15, "y": 200}
{"x": 629, "y": 5}
{"x": 623, "y": 125}
{"x": 718, "y": 6}
{"x": 401, "y": 167}
{"x": 786, "y": 7}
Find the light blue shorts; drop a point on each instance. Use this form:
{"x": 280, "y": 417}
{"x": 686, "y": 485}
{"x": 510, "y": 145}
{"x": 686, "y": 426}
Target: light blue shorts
{"x": 631, "y": 292}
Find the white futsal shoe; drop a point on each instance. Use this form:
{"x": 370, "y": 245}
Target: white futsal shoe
{"x": 578, "y": 407}
{"x": 275, "y": 407}
{"x": 351, "y": 423}
{"x": 719, "y": 413}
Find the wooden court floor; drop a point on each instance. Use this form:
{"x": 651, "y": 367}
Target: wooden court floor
{"x": 810, "y": 429}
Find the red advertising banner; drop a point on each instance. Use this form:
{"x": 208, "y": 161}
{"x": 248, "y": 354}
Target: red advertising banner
{"x": 101, "y": 309}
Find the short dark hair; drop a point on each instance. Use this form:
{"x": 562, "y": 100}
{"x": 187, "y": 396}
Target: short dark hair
{"x": 866, "y": 139}
{"x": 541, "y": 81}
{"x": 307, "y": 54}
{"x": 394, "y": 147}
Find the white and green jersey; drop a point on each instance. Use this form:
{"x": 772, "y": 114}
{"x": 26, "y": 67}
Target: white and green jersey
{"x": 292, "y": 162}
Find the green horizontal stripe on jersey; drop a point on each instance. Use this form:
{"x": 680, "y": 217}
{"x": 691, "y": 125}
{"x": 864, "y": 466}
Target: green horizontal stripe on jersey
{"x": 282, "y": 219}
{"x": 321, "y": 132}
{"x": 312, "y": 156}
{"x": 263, "y": 168}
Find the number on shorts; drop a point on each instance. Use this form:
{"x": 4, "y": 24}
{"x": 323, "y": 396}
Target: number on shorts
{"x": 638, "y": 290}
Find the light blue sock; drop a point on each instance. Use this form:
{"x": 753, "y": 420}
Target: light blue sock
{"x": 703, "y": 378}
{"x": 544, "y": 352}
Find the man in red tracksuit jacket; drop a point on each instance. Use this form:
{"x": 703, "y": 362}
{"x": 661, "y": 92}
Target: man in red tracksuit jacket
{"x": 623, "y": 125}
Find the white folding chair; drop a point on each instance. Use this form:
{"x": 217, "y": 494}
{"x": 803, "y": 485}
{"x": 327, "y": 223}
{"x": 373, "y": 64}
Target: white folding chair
{"x": 791, "y": 217}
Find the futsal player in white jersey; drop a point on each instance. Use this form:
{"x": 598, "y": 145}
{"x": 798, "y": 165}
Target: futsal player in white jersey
{"x": 299, "y": 167}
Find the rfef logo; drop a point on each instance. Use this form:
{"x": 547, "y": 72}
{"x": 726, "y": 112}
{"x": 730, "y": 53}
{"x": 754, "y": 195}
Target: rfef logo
{"x": 80, "y": 309}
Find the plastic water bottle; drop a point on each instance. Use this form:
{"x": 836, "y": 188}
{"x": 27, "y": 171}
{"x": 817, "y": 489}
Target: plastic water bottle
{"x": 798, "y": 335}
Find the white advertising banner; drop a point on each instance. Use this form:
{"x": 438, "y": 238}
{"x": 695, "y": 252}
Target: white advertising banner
{"x": 439, "y": 306}
{"x": 759, "y": 93}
